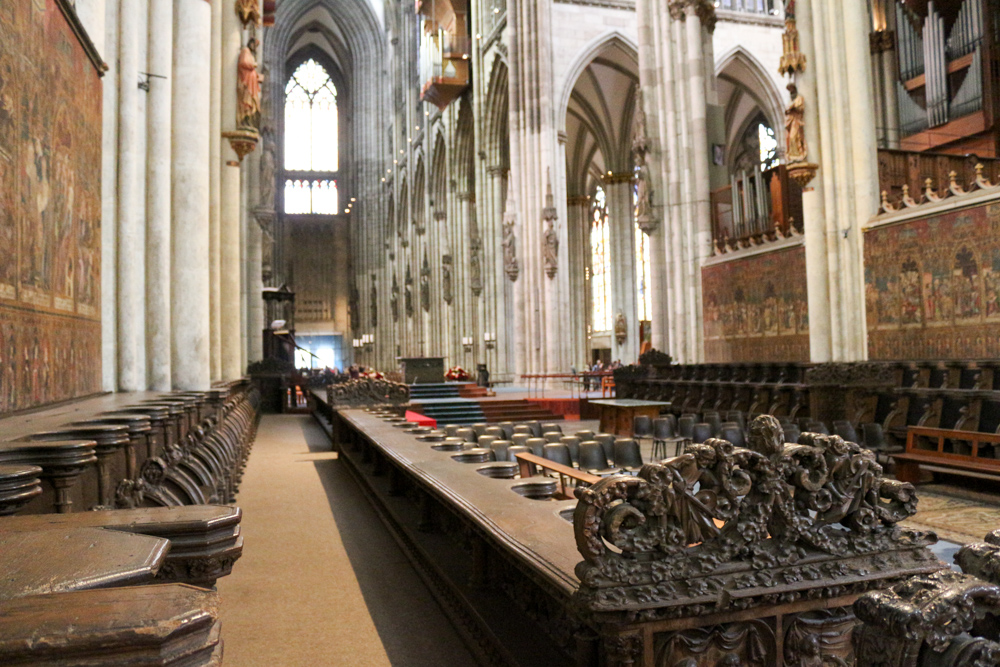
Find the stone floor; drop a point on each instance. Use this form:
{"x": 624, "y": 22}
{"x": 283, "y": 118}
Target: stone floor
{"x": 321, "y": 582}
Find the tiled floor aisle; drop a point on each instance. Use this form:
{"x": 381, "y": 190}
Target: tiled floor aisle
{"x": 321, "y": 583}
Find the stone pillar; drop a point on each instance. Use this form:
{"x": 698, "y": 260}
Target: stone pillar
{"x": 215, "y": 190}
{"x": 128, "y": 269}
{"x": 191, "y": 98}
{"x": 675, "y": 75}
{"x": 578, "y": 240}
{"x": 109, "y": 203}
{"x": 229, "y": 194}
{"x": 158, "y": 125}
{"x": 840, "y": 137}
{"x": 618, "y": 188}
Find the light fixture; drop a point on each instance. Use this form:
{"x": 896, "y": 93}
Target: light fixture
{"x": 467, "y": 343}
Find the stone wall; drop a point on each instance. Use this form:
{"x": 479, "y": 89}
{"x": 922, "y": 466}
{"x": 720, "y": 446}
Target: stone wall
{"x": 756, "y": 309}
{"x": 50, "y": 209}
{"x": 932, "y": 286}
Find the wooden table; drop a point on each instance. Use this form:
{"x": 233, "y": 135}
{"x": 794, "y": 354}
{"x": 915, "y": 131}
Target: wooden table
{"x": 617, "y": 414}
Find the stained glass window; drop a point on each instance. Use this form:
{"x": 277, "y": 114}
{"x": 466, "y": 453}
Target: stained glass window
{"x": 311, "y": 140}
{"x": 600, "y": 263}
{"x": 768, "y": 147}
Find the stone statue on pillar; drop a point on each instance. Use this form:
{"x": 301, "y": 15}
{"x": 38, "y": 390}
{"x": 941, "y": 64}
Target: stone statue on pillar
{"x": 425, "y": 285}
{"x": 640, "y": 148}
{"x": 795, "y": 137}
{"x": 248, "y": 87}
{"x": 510, "y": 264}
{"x": 373, "y": 303}
{"x": 408, "y": 292}
{"x": 267, "y": 173}
{"x": 475, "y": 265}
{"x": 394, "y": 299}
{"x": 550, "y": 244}
{"x": 447, "y": 290}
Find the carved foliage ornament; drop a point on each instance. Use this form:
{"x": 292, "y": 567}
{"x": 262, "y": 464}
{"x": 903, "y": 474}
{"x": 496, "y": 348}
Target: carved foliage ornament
{"x": 722, "y": 524}
{"x": 703, "y": 9}
{"x": 248, "y": 11}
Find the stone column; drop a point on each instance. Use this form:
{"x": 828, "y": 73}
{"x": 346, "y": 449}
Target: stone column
{"x": 109, "y": 203}
{"x": 623, "y": 284}
{"x": 578, "y": 241}
{"x": 191, "y": 98}
{"x": 215, "y": 189}
{"x": 229, "y": 205}
{"x": 129, "y": 265}
{"x": 158, "y": 196}
{"x": 840, "y": 138}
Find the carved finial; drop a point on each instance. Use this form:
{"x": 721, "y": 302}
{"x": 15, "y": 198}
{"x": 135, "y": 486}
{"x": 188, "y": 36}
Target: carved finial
{"x": 886, "y": 206}
{"x": 908, "y": 201}
{"x": 981, "y": 180}
{"x": 953, "y": 186}
{"x": 929, "y": 193}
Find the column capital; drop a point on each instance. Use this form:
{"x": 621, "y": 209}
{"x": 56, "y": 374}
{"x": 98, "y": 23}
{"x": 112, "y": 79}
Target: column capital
{"x": 612, "y": 178}
{"x": 703, "y": 9}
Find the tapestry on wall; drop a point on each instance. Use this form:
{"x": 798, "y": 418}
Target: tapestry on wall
{"x": 932, "y": 287}
{"x": 756, "y": 309}
{"x": 50, "y": 208}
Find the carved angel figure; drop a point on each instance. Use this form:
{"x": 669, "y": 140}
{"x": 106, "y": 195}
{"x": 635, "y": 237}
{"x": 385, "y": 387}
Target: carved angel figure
{"x": 551, "y": 250}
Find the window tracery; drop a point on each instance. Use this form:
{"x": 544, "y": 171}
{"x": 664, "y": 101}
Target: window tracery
{"x": 311, "y": 141}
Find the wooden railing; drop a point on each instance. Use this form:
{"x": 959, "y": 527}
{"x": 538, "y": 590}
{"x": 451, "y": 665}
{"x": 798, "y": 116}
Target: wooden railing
{"x": 961, "y": 450}
{"x": 897, "y": 168}
{"x": 755, "y": 208}
{"x": 529, "y": 464}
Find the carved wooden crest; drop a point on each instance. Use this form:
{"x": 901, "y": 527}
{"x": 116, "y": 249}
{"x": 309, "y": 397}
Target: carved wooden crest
{"x": 723, "y": 527}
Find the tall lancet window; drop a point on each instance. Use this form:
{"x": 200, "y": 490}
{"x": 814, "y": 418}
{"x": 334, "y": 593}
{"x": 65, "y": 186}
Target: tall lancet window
{"x": 600, "y": 264}
{"x": 311, "y": 141}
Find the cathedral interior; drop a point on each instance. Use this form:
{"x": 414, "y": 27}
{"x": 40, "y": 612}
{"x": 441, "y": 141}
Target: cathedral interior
{"x": 371, "y": 332}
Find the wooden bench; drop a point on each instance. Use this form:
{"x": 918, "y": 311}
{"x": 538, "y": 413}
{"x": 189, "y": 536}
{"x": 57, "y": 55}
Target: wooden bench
{"x": 960, "y": 452}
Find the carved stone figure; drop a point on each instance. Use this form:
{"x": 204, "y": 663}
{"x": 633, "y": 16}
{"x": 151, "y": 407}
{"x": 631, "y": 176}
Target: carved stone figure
{"x": 550, "y": 249}
{"x": 373, "y": 303}
{"x": 475, "y": 265}
{"x": 248, "y": 88}
{"x": 408, "y": 292}
{"x": 267, "y": 173}
{"x": 248, "y": 11}
{"x": 795, "y": 137}
{"x": 447, "y": 290}
{"x": 394, "y": 299}
{"x": 425, "y": 285}
{"x": 621, "y": 328}
{"x": 510, "y": 264}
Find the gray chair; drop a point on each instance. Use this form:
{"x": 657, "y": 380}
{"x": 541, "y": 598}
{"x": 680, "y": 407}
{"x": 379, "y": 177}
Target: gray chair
{"x": 665, "y": 434}
{"x": 508, "y": 429}
{"x": 514, "y": 450}
{"x": 536, "y": 427}
{"x": 486, "y": 440}
{"x": 584, "y": 435}
{"x": 738, "y": 417}
{"x": 497, "y": 431}
{"x": 551, "y": 427}
{"x": 451, "y": 430}
{"x": 593, "y": 460}
{"x": 845, "y": 430}
{"x": 573, "y": 443}
{"x": 713, "y": 420}
{"x": 732, "y": 432}
{"x": 685, "y": 426}
{"x": 522, "y": 428}
{"x": 792, "y": 433}
{"x": 642, "y": 427}
{"x": 701, "y": 432}
{"x": 520, "y": 438}
{"x": 818, "y": 427}
{"x": 607, "y": 441}
{"x": 558, "y": 453}
{"x": 536, "y": 445}
{"x": 480, "y": 428}
{"x": 628, "y": 456}
{"x": 468, "y": 434}
{"x": 552, "y": 436}
{"x": 501, "y": 450}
